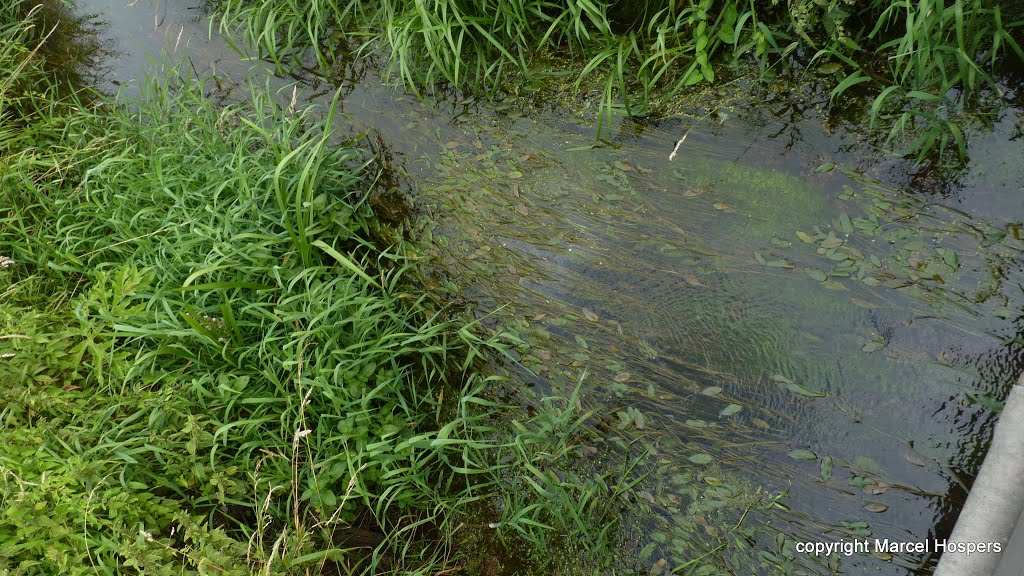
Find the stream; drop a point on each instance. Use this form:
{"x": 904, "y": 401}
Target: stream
{"x": 780, "y": 308}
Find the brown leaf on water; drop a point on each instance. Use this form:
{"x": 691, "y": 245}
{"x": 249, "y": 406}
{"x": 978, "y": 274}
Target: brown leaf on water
{"x": 622, "y": 376}
{"x": 915, "y": 460}
{"x": 451, "y": 144}
{"x": 877, "y": 488}
{"x": 720, "y": 206}
{"x": 478, "y": 144}
{"x": 589, "y": 315}
{"x": 691, "y": 193}
{"x": 522, "y": 209}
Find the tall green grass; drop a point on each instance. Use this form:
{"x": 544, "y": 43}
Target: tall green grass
{"x": 216, "y": 358}
{"x": 923, "y": 63}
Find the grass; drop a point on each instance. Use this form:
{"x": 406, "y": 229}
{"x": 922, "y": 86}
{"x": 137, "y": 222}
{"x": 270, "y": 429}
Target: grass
{"x": 925, "y": 66}
{"x": 218, "y": 359}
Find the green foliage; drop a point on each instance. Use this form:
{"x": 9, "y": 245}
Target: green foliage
{"x": 936, "y": 59}
{"x": 215, "y": 357}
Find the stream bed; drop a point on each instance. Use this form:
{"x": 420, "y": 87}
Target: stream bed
{"x": 779, "y": 308}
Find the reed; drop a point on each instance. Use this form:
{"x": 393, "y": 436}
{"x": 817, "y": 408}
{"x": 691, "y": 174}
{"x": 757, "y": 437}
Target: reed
{"x": 923, "y": 64}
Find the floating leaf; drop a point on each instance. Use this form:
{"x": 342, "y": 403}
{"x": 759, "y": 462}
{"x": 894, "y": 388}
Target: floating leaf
{"x": 711, "y": 391}
{"x": 845, "y": 224}
{"x": 804, "y": 237}
{"x": 720, "y": 206}
{"x": 914, "y": 460}
{"x": 826, "y": 167}
{"x": 781, "y": 379}
{"x": 992, "y": 236}
{"x": 859, "y": 481}
{"x": 986, "y": 401}
{"x": 696, "y": 423}
{"x": 515, "y": 174}
{"x": 816, "y": 274}
{"x": 825, "y": 469}
{"x": 779, "y": 264}
{"x": 875, "y": 507}
{"x": 760, "y": 423}
{"x": 691, "y": 193}
{"x": 622, "y": 376}
{"x": 949, "y": 257}
{"x": 731, "y": 409}
{"x": 798, "y": 389}
{"x": 760, "y": 259}
{"x": 589, "y": 315}
{"x": 701, "y": 459}
{"x": 800, "y": 454}
{"x": 582, "y": 342}
{"x": 831, "y": 242}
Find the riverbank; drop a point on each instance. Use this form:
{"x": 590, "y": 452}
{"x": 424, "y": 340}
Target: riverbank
{"x": 217, "y": 354}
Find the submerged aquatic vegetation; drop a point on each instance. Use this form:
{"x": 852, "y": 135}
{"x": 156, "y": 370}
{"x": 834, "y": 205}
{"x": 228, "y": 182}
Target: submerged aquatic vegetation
{"x": 939, "y": 59}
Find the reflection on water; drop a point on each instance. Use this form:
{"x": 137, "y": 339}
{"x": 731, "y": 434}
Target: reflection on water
{"x": 682, "y": 288}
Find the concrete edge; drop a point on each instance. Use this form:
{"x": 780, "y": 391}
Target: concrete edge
{"x": 996, "y": 500}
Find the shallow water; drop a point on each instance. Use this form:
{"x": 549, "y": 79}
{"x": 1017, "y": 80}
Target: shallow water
{"x": 660, "y": 279}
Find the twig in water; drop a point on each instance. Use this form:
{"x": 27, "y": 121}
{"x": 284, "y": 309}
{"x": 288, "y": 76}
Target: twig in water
{"x": 687, "y": 133}
{"x": 678, "y": 144}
